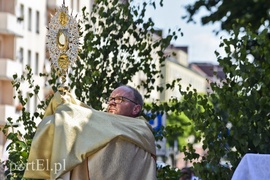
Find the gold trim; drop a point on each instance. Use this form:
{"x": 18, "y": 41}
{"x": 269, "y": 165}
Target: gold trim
{"x": 63, "y": 61}
{"x": 63, "y": 18}
{"x": 62, "y": 40}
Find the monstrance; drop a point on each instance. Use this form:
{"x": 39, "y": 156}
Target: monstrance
{"x": 63, "y": 43}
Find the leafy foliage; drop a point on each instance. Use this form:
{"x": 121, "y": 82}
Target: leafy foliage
{"x": 238, "y": 121}
{"x": 179, "y": 126}
{"x": 117, "y": 45}
{"x": 168, "y": 172}
{"x": 21, "y": 138}
{"x": 238, "y": 12}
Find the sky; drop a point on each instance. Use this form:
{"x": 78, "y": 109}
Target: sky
{"x": 201, "y": 40}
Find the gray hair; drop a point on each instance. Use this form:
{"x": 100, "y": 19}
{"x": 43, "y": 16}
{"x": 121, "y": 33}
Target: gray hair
{"x": 138, "y": 97}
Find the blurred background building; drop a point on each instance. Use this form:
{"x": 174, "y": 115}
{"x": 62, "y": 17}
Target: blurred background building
{"x": 23, "y": 42}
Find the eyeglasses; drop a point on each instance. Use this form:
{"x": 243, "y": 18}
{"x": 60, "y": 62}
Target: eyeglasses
{"x": 119, "y": 99}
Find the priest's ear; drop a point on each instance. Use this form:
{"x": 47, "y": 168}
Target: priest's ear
{"x": 136, "y": 110}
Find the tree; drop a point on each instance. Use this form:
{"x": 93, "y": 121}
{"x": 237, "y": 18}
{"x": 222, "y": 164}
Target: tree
{"x": 229, "y": 13}
{"x": 238, "y": 121}
{"x": 21, "y": 139}
{"x": 118, "y": 43}
{"x": 179, "y": 127}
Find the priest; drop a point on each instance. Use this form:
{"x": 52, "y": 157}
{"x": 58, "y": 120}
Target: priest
{"x": 75, "y": 141}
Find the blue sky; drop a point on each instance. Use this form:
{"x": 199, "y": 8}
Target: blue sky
{"x": 201, "y": 41}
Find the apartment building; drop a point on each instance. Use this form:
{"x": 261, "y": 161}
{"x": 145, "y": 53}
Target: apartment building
{"x": 177, "y": 67}
{"x": 23, "y": 42}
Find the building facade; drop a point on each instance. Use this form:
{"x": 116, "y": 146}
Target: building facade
{"x": 23, "y": 31}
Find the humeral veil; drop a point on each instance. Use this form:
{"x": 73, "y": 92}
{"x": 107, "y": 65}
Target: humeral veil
{"x": 74, "y": 141}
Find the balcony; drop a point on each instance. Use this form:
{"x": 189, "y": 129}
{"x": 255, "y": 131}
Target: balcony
{"x": 7, "y": 111}
{"x": 8, "y": 68}
{"x": 9, "y": 25}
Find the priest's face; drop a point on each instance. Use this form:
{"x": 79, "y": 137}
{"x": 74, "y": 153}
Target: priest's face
{"x": 122, "y": 102}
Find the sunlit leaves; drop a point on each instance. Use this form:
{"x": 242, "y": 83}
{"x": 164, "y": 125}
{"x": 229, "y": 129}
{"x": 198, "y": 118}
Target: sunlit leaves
{"x": 117, "y": 45}
{"x": 228, "y": 13}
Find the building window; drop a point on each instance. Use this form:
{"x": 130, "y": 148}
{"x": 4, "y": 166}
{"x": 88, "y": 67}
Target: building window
{"x": 36, "y": 69}
{"x": 78, "y": 5}
{"x": 37, "y": 22}
{"x": 72, "y": 3}
{"x": 29, "y": 58}
{"x": 21, "y": 16}
{"x": 21, "y": 56}
{"x": 36, "y": 102}
{"x": 28, "y": 102}
{"x": 29, "y": 19}
{"x": 1, "y": 48}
